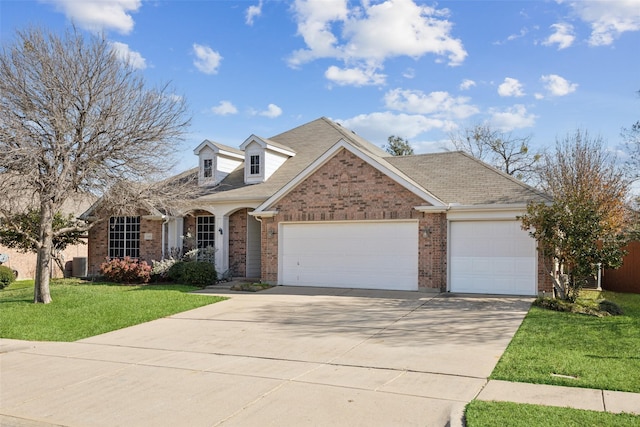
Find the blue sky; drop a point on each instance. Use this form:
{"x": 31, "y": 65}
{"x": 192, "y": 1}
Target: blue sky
{"x": 415, "y": 69}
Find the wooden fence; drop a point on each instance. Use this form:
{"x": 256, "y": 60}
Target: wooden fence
{"x": 627, "y": 277}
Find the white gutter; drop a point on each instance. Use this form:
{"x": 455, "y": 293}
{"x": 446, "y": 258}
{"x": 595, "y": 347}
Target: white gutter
{"x": 263, "y": 214}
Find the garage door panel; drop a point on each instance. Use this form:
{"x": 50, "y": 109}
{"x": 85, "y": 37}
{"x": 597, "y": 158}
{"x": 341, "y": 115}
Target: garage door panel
{"x": 372, "y": 254}
{"x": 492, "y": 257}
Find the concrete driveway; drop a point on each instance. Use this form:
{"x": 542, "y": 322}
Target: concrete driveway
{"x": 282, "y": 357}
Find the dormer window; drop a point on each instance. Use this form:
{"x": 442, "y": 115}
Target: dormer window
{"x": 255, "y": 165}
{"x": 207, "y": 168}
{"x": 262, "y": 157}
{"x": 216, "y": 162}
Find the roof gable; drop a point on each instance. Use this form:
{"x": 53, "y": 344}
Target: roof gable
{"x": 377, "y": 163}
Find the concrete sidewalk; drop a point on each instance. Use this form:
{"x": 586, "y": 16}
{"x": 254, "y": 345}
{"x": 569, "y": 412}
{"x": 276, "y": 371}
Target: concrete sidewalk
{"x": 569, "y": 397}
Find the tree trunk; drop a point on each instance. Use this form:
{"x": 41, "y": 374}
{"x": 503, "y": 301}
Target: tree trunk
{"x": 41, "y": 293}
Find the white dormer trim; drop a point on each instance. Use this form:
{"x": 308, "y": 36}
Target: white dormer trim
{"x": 216, "y": 161}
{"x": 262, "y": 157}
{"x": 268, "y": 144}
{"x": 378, "y": 164}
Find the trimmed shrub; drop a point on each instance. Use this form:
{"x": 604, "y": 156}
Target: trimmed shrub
{"x": 126, "y": 270}
{"x": 193, "y": 273}
{"x": 174, "y": 273}
{"x": 199, "y": 274}
{"x": 7, "y": 276}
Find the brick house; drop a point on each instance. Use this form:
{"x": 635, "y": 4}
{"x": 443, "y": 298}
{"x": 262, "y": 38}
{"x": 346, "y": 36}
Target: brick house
{"x": 320, "y": 206}
{"x": 25, "y": 263}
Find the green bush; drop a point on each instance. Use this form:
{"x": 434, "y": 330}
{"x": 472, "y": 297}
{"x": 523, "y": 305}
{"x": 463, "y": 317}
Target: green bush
{"x": 174, "y": 273}
{"x": 6, "y": 276}
{"x": 126, "y": 270}
{"x": 199, "y": 274}
{"x": 195, "y": 273}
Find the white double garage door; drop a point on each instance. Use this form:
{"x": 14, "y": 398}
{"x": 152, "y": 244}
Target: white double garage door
{"x": 493, "y": 257}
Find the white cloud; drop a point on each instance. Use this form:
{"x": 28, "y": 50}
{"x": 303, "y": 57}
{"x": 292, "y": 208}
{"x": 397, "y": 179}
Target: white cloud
{"x": 515, "y": 117}
{"x": 558, "y": 86}
{"x": 253, "y": 12}
{"x": 467, "y": 84}
{"x": 510, "y": 87}
{"x": 271, "y": 112}
{"x": 608, "y": 19}
{"x": 439, "y": 104}
{"x": 562, "y": 36}
{"x": 98, "y": 15}
{"x": 132, "y": 57}
{"x": 409, "y": 30}
{"x": 207, "y": 60}
{"x": 225, "y": 108}
{"x": 409, "y": 73}
{"x": 378, "y": 126}
{"x": 354, "y": 76}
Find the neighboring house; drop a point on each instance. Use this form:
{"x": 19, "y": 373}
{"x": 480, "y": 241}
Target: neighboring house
{"x": 320, "y": 206}
{"x": 25, "y": 263}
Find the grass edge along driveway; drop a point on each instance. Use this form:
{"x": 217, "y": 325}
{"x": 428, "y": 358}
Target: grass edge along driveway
{"x": 570, "y": 350}
{"x": 84, "y": 309}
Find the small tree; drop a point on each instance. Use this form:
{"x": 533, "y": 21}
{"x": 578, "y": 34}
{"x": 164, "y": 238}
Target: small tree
{"x": 75, "y": 118}
{"x": 398, "y": 146}
{"x": 504, "y": 151}
{"x": 587, "y": 221}
{"x": 20, "y": 232}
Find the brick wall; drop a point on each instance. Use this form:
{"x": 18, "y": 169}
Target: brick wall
{"x": 545, "y": 282}
{"x": 238, "y": 242}
{"x": 99, "y": 243}
{"x": 25, "y": 263}
{"x": 348, "y": 188}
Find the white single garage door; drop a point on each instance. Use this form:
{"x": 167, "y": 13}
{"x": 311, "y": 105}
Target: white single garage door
{"x": 350, "y": 254}
{"x": 492, "y": 257}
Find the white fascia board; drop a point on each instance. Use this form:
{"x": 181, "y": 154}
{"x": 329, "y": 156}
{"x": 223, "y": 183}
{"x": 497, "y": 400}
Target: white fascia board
{"x": 216, "y": 149}
{"x": 432, "y": 209}
{"x": 263, "y": 214}
{"x": 205, "y": 143}
{"x": 486, "y": 212}
{"x": 324, "y": 158}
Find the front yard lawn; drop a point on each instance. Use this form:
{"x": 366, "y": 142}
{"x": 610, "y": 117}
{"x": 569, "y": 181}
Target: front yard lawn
{"x": 577, "y": 350}
{"x": 82, "y": 309}
{"x": 493, "y": 414}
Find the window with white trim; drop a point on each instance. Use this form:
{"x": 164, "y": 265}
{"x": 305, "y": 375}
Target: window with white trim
{"x": 205, "y": 231}
{"x": 124, "y": 236}
{"x": 254, "y": 163}
{"x": 207, "y": 168}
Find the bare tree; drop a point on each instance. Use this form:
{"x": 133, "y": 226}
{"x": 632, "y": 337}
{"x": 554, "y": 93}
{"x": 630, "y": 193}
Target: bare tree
{"x": 74, "y": 118}
{"x": 504, "y": 151}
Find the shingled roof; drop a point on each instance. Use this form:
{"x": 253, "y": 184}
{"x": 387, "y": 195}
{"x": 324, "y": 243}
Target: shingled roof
{"x": 452, "y": 177}
{"x": 458, "y": 178}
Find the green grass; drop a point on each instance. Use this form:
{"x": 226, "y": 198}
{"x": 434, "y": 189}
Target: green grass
{"x": 601, "y": 353}
{"x": 81, "y": 309}
{"x": 490, "y": 414}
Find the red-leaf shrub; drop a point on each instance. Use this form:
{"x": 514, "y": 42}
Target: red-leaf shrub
{"x": 126, "y": 270}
